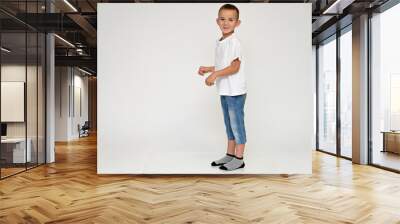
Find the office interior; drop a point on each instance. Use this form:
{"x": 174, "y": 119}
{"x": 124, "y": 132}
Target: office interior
{"x": 48, "y": 80}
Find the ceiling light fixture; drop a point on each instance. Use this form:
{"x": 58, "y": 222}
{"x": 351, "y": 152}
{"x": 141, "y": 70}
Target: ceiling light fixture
{"x": 338, "y": 6}
{"x": 65, "y": 41}
{"x": 70, "y": 5}
{"x": 329, "y": 9}
{"x": 5, "y": 50}
{"x": 84, "y": 71}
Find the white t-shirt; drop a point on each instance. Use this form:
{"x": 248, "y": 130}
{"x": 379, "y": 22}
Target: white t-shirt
{"x": 226, "y": 51}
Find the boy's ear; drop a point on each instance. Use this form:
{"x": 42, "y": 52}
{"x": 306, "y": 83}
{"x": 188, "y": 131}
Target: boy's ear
{"x": 216, "y": 20}
{"x": 238, "y": 23}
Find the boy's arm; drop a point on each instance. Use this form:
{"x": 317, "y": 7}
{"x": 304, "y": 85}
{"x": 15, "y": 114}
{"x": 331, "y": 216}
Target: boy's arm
{"x": 231, "y": 69}
{"x": 211, "y": 69}
{"x": 206, "y": 69}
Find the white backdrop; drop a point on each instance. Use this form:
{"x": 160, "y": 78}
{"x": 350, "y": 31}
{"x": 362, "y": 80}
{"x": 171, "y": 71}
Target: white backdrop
{"x": 156, "y": 115}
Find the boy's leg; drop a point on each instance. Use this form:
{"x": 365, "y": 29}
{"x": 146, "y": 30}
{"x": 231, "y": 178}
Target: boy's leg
{"x": 236, "y": 115}
{"x": 230, "y": 152}
{"x": 239, "y": 150}
{"x": 241, "y": 130}
{"x": 228, "y": 127}
{"x": 231, "y": 147}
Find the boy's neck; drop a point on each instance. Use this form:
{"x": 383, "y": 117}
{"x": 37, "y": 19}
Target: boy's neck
{"x": 225, "y": 35}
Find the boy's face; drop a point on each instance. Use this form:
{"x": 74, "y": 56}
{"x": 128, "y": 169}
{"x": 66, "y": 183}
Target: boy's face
{"x": 227, "y": 20}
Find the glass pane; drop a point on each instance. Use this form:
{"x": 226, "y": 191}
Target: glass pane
{"x": 22, "y": 88}
{"x": 346, "y": 93}
{"x": 13, "y": 86}
{"x": 327, "y": 97}
{"x": 41, "y": 99}
{"x": 32, "y": 95}
{"x": 386, "y": 89}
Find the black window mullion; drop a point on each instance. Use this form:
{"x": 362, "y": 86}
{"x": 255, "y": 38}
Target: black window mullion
{"x": 338, "y": 92}
{"x": 0, "y": 95}
{"x": 317, "y": 96}
{"x": 369, "y": 90}
{"x": 37, "y": 90}
{"x": 26, "y": 86}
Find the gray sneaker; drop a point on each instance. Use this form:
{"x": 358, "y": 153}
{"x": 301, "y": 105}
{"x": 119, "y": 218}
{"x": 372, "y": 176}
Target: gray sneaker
{"x": 223, "y": 160}
{"x": 234, "y": 164}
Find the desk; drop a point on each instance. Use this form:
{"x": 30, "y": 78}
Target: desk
{"x": 17, "y": 150}
{"x": 391, "y": 141}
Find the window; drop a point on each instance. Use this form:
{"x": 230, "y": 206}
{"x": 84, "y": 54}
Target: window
{"x": 385, "y": 88}
{"x": 346, "y": 93}
{"x": 327, "y": 96}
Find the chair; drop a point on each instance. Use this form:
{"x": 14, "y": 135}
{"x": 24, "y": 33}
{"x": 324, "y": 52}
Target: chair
{"x": 84, "y": 130}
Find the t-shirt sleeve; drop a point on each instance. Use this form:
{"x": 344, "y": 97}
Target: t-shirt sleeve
{"x": 236, "y": 51}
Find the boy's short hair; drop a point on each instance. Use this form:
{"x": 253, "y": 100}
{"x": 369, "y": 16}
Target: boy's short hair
{"x": 229, "y": 7}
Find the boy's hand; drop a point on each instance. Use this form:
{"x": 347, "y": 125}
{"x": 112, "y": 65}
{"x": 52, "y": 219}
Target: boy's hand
{"x": 211, "y": 79}
{"x": 203, "y": 70}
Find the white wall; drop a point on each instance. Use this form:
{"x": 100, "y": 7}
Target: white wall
{"x": 155, "y": 115}
{"x": 80, "y": 84}
{"x": 61, "y": 103}
{"x": 68, "y": 81}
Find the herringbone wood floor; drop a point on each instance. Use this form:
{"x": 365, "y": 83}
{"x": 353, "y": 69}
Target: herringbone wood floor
{"x": 70, "y": 191}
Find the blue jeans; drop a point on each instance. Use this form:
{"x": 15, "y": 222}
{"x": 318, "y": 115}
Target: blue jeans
{"x": 233, "y": 109}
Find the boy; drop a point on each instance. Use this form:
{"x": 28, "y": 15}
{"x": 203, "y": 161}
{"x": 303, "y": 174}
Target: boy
{"x": 230, "y": 80}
